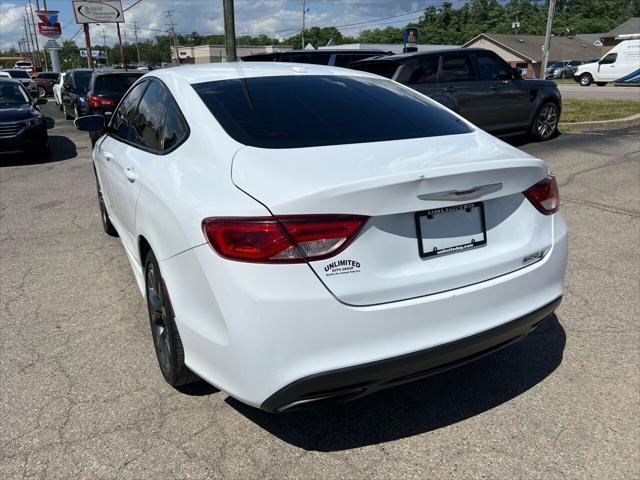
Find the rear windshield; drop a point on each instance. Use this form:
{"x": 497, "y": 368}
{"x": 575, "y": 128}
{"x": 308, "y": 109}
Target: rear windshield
{"x": 48, "y": 75}
{"x": 309, "y": 111}
{"x": 19, "y": 74}
{"x": 117, "y": 83}
{"x": 82, "y": 78}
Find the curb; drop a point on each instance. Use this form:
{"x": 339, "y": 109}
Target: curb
{"x": 578, "y": 127}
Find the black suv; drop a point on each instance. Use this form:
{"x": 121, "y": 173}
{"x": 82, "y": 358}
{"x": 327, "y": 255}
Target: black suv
{"x": 106, "y": 89}
{"x": 334, "y": 58}
{"x": 74, "y": 92}
{"x": 478, "y": 85}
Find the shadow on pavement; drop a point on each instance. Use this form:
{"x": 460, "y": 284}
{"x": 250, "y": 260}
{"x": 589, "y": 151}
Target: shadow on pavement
{"x": 422, "y": 406}
{"x": 197, "y": 389}
{"x": 61, "y": 149}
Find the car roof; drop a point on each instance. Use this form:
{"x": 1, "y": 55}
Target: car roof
{"x": 97, "y": 73}
{"x": 226, "y": 71}
{"x": 401, "y": 57}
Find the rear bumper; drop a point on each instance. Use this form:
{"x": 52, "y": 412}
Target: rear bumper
{"x": 356, "y": 381}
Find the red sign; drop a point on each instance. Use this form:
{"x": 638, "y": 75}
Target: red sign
{"x": 49, "y": 25}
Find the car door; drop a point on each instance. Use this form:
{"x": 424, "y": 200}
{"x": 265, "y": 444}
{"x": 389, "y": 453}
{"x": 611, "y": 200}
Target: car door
{"x": 111, "y": 147}
{"x": 137, "y": 155}
{"x": 66, "y": 90}
{"x": 504, "y": 104}
{"x": 457, "y": 86}
{"x": 607, "y": 69}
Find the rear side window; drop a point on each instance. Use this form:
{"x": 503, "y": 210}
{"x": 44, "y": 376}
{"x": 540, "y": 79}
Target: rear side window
{"x": 118, "y": 83}
{"x": 314, "y": 110}
{"x": 317, "y": 59}
{"x": 457, "y": 68}
{"x": 145, "y": 127}
{"x": 82, "y": 79}
{"x": 19, "y": 74}
{"x": 175, "y": 128}
{"x": 425, "y": 71}
{"x": 121, "y": 117}
{"x": 383, "y": 68}
{"x": 491, "y": 68}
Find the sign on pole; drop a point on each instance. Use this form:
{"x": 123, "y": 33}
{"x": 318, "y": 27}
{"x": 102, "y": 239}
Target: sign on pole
{"x": 48, "y": 26}
{"x": 108, "y": 11}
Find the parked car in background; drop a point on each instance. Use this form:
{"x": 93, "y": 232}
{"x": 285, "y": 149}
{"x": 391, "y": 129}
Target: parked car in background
{"x": 45, "y": 82}
{"x": 23, "y": 127}
{"x": 4, "y": 74}
{"x": 620, "y": 65}
{"x": 106, "y": 89}
{"x": 366, "y": 233}
{"x": 478, "y": 85}
{"x": 23, "y": 77}
{"x": 24, "y": 65}
{"x": 57, "y": 90}
{"x": 74, "y": 92}
{"x": 563, "y": 69}
{"x": 335, "y": 58}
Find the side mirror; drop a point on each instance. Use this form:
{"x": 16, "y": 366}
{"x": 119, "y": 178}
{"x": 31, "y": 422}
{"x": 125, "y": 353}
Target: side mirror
{"x": 90, "y": 123}
{"x": 41, "y": 101}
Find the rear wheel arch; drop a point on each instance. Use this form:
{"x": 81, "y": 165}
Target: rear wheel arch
{"x": 144, "y": 247}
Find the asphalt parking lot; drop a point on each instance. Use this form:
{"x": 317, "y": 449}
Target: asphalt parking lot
{"x": 82, "y": 397}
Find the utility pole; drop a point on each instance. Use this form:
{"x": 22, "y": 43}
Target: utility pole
{"x": 135, "y": 33}
{"x": 34, "y": 54}
{"x": 26, "y": 37}
{"x": 303, "y": 15}
{"x": 229, "y": 30}
{"x": 547, "y": 38}
{"x": 35, "y": 33}
{"x": 172, "y": 30}
{"x": 123, "y": 62}
{"x": 104, "y": 43}
{"x": 87, "y": 41}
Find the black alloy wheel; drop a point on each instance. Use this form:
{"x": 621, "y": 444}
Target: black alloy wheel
{"x": 166, "y": 339}
{"x": 545, "y": 122}
{"x": 104, "y": 215}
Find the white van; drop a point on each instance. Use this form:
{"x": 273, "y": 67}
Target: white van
{"x": 620, "y": 65}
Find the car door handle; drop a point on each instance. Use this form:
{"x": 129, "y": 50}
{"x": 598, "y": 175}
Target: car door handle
{"x": 107, "y": 156}
{"x": 130, "y": 174}
{"x": 448, "y": 89}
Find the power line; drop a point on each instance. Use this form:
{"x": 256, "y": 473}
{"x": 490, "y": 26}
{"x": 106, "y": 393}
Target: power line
{"x": 131, "y": 6}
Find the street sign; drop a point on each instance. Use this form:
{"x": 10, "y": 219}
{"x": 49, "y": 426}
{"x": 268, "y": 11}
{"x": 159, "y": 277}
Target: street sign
{"x": 108, "y": 11}
{"x": 52, "y": 45}
{"x": 97, "y": 54}
{"x": 48, "y": 26}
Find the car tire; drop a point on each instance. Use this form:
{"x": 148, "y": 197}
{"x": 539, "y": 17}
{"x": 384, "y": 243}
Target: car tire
{"x": 585, "y": 79}
{"x": 545, "y": 122}
{"x": 164, "y": 333}
{"x": 601, "y": 84}
{"x": 108, "y": 227}
{"x": 42, "y": 92}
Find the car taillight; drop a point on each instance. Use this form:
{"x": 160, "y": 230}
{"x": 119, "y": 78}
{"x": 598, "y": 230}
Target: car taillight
{"x": 544, "y": 195}
{"x": 285, "y": 239}
{"x": 98, "y": 102}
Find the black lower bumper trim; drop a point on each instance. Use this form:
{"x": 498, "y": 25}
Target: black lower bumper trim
{"x": 359, "y": 380}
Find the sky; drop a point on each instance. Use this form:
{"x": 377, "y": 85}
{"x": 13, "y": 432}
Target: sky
{"x": 278, "y": 18}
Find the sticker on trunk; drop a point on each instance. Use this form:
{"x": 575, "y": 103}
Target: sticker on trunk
{"x": 341, "y": 267}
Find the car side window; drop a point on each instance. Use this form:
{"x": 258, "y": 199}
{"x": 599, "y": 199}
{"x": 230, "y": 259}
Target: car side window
{"x": 146, "y": 125}
{"x": 67, "y": 80}
{"x": 120, "y": 121}
{"x": 611, "y": 58}
{"x": 457, "y": 68}
{"x": 491, "y": 68}
{"x": 175, "y": 127}
{"x": 425, "y": 71}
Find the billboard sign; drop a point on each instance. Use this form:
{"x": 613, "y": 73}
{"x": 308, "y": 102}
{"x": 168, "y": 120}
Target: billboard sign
{"x": 411, "y": 39}
{"x": 109, "y": 11}
{"x": 48, "y": 26}
{"x": 96, "y": 54}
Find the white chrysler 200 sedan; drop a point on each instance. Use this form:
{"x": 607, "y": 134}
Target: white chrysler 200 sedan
{"x": 305, "y": 234}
